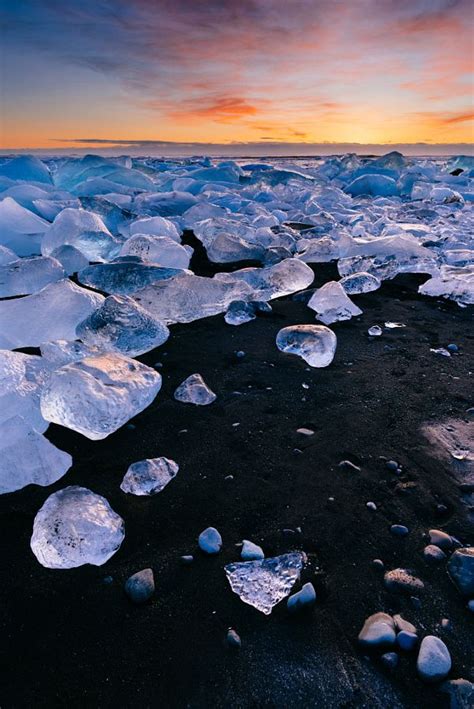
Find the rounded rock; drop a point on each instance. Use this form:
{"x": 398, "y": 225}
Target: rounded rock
{"x": 434, "y": 661}
{"x": 140, "y": 587}
{"x": 210, "y": 541}
{"x": 461, "y": 570}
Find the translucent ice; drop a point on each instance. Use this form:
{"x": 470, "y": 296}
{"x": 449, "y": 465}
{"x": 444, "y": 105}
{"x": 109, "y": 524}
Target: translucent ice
{"x": 27, "y": 457}
{"x": 240, "y": 311}
{"x": 264, "y": 583}
{"x": 147, "y": 477}
{"x": 452, "y": 282}
{"x": 373, "y": 185}
{"x": 154, "y": 226}
{"x": 165, "y": 204}
{"x": 84, "y": 230}
{"x": 161, "y": 250}
{"x": 29, "y": 275}
{"x": 59, "y": 352}
{"x": 27, "y": 168}
{"x": 22, "y": 377}
{"x": 125, "y": 275}
{"x": 188, "y": 297}
{"x": 20, "y": 230}
{"x": 331, "y": 304}
{"x": 315, "y": 344}
{"x": 97, "y": 395}
{"x": 51, "y": 314}
{"x": 194, "y": 390}
{"x": 75, "y": 527}
{"x": 360, "y": 283}
{"x": 70, "y": 258}
{"x": 122, "y": 325}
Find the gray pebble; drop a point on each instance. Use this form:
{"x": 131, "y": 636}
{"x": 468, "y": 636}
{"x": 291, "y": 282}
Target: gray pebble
{"x": 141, "y": 586}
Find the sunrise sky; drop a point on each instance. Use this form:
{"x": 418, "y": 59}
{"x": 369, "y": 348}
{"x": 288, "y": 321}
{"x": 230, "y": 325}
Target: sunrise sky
{"x": 87, "y": 73}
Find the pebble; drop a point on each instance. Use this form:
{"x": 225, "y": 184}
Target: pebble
{"x": 371, "y": 505}
{"x": 210, "y": 541}
{"x": 461, "y": 693}
{"x": 187, "y": 559}
{"x": 399, "y": 530}
{"x": 390, "y": 660}
{"x": 140, "y": 587}
{"x": 378, "y": 630}
{"x": 402, "y": 581}
{"x": 402, "y": 624}
{"x": 470, "y": 605}
{"x": 406, "y": 641}
{"x": 108, "y": 580}
{"x": 433, "y": 553}
{"x": 229, "y": 477}
{"x": 302, "y": 599}
{"x": 233, "y": 639}
{"x": 305, "y": 431}
{"x": 392, "y": 465}
{"x": 251, "y": 551}
{"x": 348, "y": 464}
{"x": 378, "y": 564}
{"x": 452, "y": 347}
{"x": 434, "y": 661}
{"x": 240, "y": 354}
{"x": 440, "y": 539}
{"x": 461, "y": 570}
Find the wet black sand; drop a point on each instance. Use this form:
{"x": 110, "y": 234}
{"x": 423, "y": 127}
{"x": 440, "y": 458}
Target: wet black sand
{"x": 69, "y": 639}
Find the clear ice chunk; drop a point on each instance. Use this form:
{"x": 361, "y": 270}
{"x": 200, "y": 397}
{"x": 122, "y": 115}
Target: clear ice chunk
{"x": 20, "y": 230}
{"x": 122, "y": 325}
{"x": 22, "y": 377}
{"x": 51, "y": 314}
{"x": 451, "y": 282}
{"x": 75, "y": 527}
{"x": 27, "y": 457}
{"x": 29, "y": 275}
{"x": 70, "y": 258}
{"x": 85, "y": 231}
{"x": 315, "y": 344}
{"x": 331, "y": 304}
{"x": 97, "y": 395}
{"x": 125, "y": 275}
{"x": 161, "y": 250}
{"x": 360, "y": 283}
{"x": 194, "y": 390}
{"x": 147, "y": 477}
{"x": 264, "y": 583}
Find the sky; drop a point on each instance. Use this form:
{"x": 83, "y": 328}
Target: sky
{"x": 239, "y": 76}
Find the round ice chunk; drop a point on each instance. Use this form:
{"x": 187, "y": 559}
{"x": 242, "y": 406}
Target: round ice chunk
{"x": 316, "y": 344}
{"x": 75, "y": 527}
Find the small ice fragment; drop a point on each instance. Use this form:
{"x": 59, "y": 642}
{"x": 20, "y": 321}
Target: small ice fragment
{"x": 331, "y": 304}
{"x": 75, "y": 527}
{"x": 315, "y": 344}
{"x": 150, "y": 476}
{"x": 391, "y": 325}
{"x": 375, "y": 331}
{"x": 264, "y": 583}
{"x": 194, "y": 390}
{"x": 305, "y": 431}
{"x": 440, "y": 351}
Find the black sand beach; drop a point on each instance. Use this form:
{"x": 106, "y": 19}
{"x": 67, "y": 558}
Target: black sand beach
{"x": 72, "y": 638}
